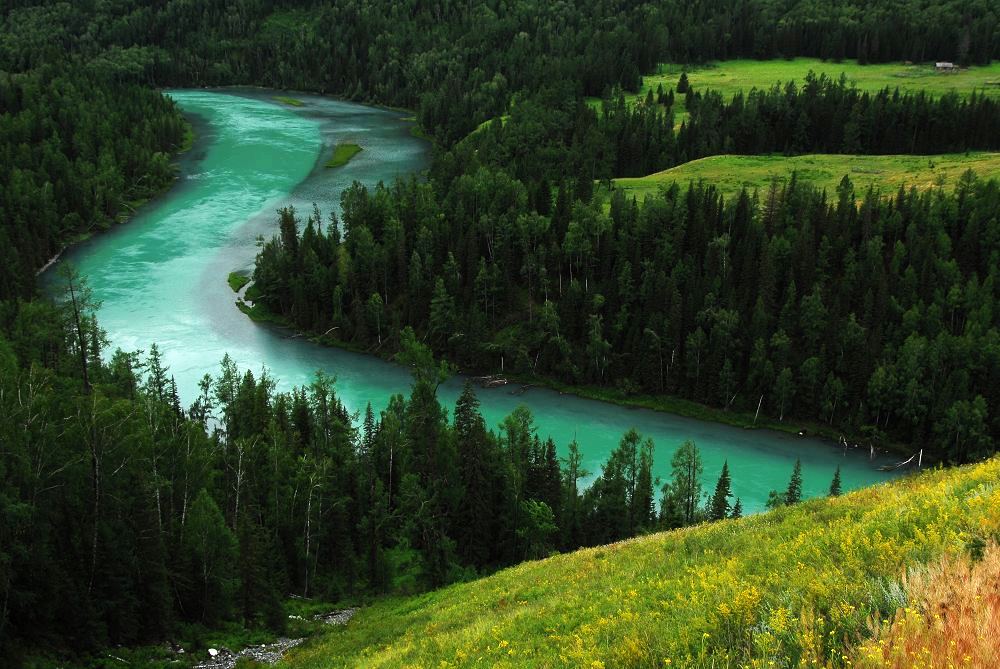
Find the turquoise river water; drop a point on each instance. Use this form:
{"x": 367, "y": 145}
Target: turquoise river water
{"x": 162, "y": 278}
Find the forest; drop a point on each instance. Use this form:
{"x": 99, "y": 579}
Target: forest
{"x": 873, "y": 313}
{"x": 844, "y": 309}
{"x": 146, "y": 514}
{"x": 76, "y": 153}
{"x": 457, "y": 64}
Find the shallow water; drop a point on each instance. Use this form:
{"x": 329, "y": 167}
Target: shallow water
{"x": 162, "y": 278}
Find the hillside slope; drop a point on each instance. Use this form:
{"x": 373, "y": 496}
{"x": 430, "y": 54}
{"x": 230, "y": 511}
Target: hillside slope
{"x": 796, "y": 585}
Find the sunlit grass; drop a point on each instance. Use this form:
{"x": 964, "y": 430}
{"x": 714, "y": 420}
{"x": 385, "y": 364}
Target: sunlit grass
{"x": 795, "y": 585}
{"x": 731, "y": 173}
{"x": 951, "y": 619}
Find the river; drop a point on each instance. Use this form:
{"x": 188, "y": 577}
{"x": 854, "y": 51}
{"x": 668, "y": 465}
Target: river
{"x": 162, "y": 279}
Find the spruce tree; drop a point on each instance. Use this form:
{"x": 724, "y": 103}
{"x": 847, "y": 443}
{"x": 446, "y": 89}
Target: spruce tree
{"x": 793, "y": 495}
{"x": 835, "y": 484}
{"x": 719, "y": 507}
{"x": 682, "y": 83}
{"x": 737, "y": 509}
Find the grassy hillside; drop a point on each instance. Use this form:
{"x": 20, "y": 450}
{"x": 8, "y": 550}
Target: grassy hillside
{"x": 802, "y": 586}
{"x": 730, "y": 173}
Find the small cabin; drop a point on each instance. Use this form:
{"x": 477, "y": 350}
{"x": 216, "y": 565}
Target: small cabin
{"x": 945, "y": 67}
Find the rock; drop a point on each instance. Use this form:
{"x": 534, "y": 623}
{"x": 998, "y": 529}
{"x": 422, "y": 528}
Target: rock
{"x": 268, "y": 653}
{"x": 339, "y": 617}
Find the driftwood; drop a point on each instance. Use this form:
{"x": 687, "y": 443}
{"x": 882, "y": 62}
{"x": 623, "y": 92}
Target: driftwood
{"x": 889, "y": 468}
{"x": 491, "y": 381}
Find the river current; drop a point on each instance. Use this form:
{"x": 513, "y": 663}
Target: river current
{"x": 162, "y": 278}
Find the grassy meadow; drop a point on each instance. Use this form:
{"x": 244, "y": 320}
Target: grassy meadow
{"x": 732, "y": 76}
{"x": 342, "y": 155}
{"x": 731, "y": 173}
{"x": 827, "y": 583}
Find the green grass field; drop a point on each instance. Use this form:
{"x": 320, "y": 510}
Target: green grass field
{"x": 800, "y": 583}
{"x": 730, "y": 173}
{"x": 342, "y": 154}
{"x": 732, "y": 76}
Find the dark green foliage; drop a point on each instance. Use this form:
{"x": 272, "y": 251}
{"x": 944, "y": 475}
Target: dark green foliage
{"x": 878, "y": 317}
{"x": 718, "y": 505}
{"x": 814, "y": 305}
{"x": 620, "y": 501}
{"x": 775, "y": 500}
{"x": 682, "y": 494}
{"x": 76, "y": 153}
{"x": 208, "y": 562}
{"x": 835, "y": 484}
{"x": 682, "y": 83}
{"x": 148, "y": 516}
{"x": 793, "y": 495}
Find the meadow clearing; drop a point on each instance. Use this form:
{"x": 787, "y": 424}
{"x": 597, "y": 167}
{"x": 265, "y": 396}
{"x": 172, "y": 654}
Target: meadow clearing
{"x": 729, "y": 77}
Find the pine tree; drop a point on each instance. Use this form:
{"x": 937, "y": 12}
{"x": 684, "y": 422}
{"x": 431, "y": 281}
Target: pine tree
{"x": 719, "y": 507}
{"x": 835, "y": 484}
{"x": 682, "y": 83}
{"x": 793, "y": 495}
{"x": 737, "y": 509}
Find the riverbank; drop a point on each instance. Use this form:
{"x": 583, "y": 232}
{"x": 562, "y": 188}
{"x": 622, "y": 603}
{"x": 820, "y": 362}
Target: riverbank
{"x": 187, "y": 143}
{"x": 659, "y": 403}
{"x": 228, "y": 646}
{"x": 257, "y": 157}
{"x": 416, "y": 130}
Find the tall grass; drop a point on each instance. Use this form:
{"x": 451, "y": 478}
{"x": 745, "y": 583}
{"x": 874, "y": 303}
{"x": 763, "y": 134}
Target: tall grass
{"x": 952, "y": 618}
{"x": 794, "y": 587}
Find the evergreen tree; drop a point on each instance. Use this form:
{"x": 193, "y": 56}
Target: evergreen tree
{"x": 718, "y": 507}
{"x": 682, "y": 84}
{"x": 835, "y": 484}
{"x": 737, "y": 509}
{"x": 793, "y": 495}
